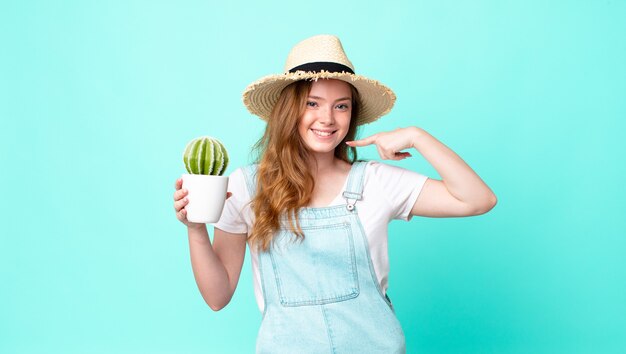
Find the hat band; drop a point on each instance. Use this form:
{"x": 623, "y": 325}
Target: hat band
{"x": 322, "y": 65}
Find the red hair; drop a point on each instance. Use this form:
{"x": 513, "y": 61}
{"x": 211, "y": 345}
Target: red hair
{"x": 284, "y": 182}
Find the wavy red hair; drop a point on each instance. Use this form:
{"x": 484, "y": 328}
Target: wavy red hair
{"x": 284, "y": 182}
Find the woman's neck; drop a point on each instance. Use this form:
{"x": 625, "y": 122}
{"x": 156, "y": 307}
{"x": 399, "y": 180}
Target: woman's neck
{"x": 325, "y": 164}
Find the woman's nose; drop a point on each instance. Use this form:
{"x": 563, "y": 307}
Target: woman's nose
{"x": 326, "y": 116}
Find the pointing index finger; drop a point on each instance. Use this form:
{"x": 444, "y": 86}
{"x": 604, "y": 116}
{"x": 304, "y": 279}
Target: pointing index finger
{"x": 362, "y": 142}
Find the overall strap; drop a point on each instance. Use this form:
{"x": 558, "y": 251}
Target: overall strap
{"x": 249, "y": 173}
{"x": 354, "y": 189}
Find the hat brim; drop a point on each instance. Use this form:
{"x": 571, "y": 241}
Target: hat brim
{"x": 376, "y": 99}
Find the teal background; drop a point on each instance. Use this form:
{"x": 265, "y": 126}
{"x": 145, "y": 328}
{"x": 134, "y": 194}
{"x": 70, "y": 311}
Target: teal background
{"x": 99, "y": 98}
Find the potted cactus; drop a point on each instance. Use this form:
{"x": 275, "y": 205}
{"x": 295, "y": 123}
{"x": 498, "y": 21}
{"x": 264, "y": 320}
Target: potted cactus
{"x": 206, "y": 160}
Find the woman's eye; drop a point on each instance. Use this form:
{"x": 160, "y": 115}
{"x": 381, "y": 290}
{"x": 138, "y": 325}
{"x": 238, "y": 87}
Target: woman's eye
{"x": 342, "y": 106}
{"x": 311, "y": 104}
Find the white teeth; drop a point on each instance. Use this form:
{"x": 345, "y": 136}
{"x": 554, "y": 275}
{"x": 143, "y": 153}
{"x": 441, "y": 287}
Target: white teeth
{"x": 317, "y": 132}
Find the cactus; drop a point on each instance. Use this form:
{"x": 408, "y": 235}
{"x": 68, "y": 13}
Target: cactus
{"x": 205, "y": 156}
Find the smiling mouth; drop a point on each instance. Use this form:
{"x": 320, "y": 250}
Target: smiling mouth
{"x": 323, "y": 134}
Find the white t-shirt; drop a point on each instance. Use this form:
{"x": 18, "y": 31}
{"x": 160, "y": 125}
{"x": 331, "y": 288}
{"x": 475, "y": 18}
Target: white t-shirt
{"x": 389, "y": 192}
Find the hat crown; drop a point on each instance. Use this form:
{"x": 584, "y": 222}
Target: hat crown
{"x": 321, "y": 48}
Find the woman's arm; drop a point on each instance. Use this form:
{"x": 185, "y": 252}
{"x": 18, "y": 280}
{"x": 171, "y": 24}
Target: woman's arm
{"x": 217, "y": 266}
{"x": 461, "y": 192}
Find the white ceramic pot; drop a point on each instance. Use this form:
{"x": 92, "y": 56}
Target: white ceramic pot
{"x": 207, "y": 195}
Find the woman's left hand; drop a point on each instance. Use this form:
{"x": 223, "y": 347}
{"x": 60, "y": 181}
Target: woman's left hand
{"x": 390, "y": 144}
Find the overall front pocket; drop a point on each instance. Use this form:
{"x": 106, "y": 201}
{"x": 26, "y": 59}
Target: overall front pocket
{"x": 317, "y": 270}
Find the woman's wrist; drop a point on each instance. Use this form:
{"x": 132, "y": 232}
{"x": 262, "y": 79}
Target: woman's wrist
{"x": 197, "y": 232}
{"x": 417, "y": 134}
{"x": 195, "y": 226}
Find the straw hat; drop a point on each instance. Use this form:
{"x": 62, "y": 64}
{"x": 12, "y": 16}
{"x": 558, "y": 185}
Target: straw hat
{"x": 319, "y": 57}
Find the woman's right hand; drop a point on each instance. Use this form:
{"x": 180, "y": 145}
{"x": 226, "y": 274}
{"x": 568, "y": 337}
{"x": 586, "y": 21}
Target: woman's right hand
{"x": 181, "y": 200}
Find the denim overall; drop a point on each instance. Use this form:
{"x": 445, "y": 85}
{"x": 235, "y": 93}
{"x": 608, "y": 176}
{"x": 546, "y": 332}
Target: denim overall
{"x": 321, "y": 295}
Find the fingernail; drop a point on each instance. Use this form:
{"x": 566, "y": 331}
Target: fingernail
{"x": 185, "y": 200}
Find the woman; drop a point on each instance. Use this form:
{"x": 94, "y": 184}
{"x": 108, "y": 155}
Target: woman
{"x": 314, "y": 217}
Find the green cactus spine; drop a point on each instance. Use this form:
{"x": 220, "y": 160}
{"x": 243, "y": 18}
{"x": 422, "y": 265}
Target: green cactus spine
{"x": 205, "y": 156}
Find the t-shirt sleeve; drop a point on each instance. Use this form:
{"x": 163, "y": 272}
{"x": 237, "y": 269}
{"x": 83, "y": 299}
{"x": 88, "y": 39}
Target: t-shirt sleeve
{"x": 232, "y": 219}
{"x": 399, "y": 186}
